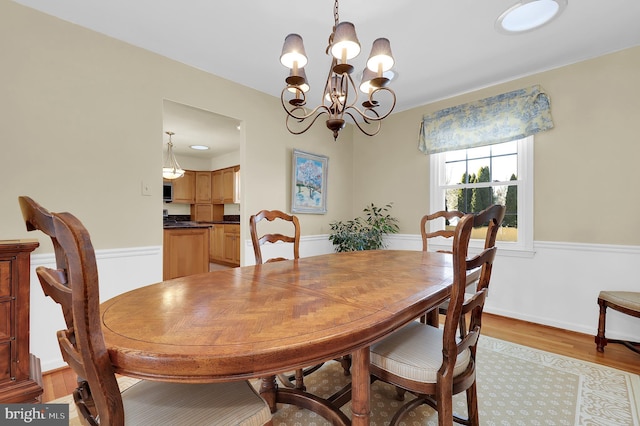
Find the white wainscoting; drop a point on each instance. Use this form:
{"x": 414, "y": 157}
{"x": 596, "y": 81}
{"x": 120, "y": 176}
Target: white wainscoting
{"x": 119, "y": 270}
{"x": 557, "y": 286}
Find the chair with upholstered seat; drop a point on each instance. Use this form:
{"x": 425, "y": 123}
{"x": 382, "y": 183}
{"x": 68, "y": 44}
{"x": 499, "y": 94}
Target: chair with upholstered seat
{"x": 259, "y": 239}
{"x": 296, "y": 380}
{"x": 74, "y": 285}
{"x": 445, "y": 230}
{"x": 627, "y": 302}
{"x": 428, "y": 223}
{"x": 435, "y": 363}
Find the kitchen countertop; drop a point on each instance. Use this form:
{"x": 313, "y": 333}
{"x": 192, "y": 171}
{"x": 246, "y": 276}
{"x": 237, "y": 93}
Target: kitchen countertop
{"x": 184, "y": 224}
{"x": 182, "y": 221}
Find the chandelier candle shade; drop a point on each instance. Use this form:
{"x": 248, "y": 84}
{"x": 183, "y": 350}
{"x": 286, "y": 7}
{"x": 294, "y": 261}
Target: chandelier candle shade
{"x": 170, "y": 167}
{"x": 340, "y": 95}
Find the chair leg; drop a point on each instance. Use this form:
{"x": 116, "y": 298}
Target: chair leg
{"x": 472, "y": 407}
{"x": 601, "y": 341}
{"x": 296, "y": 381}
{"x": 445, "y": 409}
{"x": 400, "y": 393}
{"x": 345, "y": 361}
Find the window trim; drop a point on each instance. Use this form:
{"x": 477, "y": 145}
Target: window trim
{"x": 524, "y": 245}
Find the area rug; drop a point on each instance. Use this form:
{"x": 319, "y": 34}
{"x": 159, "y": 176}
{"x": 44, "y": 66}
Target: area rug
{"x": 517, "y": 385}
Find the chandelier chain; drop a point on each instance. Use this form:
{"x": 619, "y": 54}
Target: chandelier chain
{"x": 336, "y": 20}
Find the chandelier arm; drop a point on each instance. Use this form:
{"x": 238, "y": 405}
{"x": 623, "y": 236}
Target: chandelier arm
{"x": 308, "y": 126}
{"x": 327, "y": 92}
{"x": 378, "y": 117}
{"x": 355, "y": 90}
{"x": 377, "y": 123}
{"x": 290, "y": 113}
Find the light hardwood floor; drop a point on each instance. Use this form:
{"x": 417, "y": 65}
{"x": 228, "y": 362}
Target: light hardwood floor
{"x": 61, "y": 382}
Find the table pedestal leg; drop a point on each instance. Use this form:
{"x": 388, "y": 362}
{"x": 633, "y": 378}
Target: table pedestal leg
{"x": 360, "y": 405}
{"x": 268, "y": 390}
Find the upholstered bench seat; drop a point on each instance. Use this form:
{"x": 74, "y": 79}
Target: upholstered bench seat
{"x": 627, "y": 302}
{"x": 627, "y": 299}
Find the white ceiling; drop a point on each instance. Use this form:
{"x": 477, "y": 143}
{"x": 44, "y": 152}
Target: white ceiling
{"x": 194, "y": 126}
{"x": 442, "y": 48}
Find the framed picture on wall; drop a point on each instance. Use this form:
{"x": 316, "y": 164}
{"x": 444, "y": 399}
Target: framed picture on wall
{"x": 309, "y": 183}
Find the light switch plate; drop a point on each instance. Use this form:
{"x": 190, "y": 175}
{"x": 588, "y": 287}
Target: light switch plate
{"x": 146, "y": 189}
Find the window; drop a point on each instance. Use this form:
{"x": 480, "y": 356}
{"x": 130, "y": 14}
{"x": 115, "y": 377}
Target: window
{"x": 472, "y": 179}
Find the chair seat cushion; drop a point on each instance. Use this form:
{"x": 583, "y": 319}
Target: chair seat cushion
{"x": 415, "y": 352}
{"x": 156, "y": 403}
{"x": 626, "y": 299}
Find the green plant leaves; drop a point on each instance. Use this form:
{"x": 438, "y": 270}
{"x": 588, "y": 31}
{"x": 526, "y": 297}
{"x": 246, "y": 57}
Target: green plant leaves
{"x": 364, "y": 233}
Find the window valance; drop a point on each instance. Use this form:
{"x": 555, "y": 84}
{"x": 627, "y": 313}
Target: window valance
{"x": 501, "y": 118}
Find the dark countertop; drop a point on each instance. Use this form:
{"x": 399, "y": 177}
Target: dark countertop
{"x": 183, "y": 221}
{"x": 172, "y": 224}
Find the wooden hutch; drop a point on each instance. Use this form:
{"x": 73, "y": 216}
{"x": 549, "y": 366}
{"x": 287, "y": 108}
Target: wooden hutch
{"x": 20, "y": 375}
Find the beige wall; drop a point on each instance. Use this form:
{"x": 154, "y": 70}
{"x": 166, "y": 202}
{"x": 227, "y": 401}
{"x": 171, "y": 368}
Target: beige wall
{"x": 585, "y": 168}
{"x": 82, "y": 118}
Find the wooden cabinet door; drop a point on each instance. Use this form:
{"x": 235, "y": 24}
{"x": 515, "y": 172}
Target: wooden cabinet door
{"x": 217, "y": 240}
{"x": 217, "y": 189}
{"x": 232, "y": 244}
{"x": 202, "y": 212}
{"x": 185, "y": 252}
{"x": 228, "y": 180}
{"x": 184, "y": 188}
{"x": 203, "y": 187}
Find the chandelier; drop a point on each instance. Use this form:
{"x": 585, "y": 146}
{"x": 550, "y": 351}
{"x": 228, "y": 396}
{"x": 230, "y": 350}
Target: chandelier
{"x": 340, "y": 95}
{"x": 170, "y": 167}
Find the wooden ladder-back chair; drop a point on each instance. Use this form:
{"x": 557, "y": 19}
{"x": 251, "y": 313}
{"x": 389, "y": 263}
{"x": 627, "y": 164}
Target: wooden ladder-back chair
{"x": 627, "y": 302}
{"x": 74, "y": 285}
{"x": 435, "y": 363}
{"x": 490, "y": 241}
{"x": 297, "y": 380}
{"x": 258, "y": 241}
{"x": 427, "y": 233}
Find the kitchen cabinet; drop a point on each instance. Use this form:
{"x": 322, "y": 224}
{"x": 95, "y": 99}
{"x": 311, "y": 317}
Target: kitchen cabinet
{"x": 217, "y": 244}
{"x": 226, "y": 245}
{"x": 185, "y": 252}
{"x": 20, "y": 375}
{"x": 232, "y": 244}
{"x": 226, "y": 185}
{"x": 203, "y": 187}
{"x": 184, "y": 188}
{"x": 202, "y": 212}
{"x": 217, "y": 187}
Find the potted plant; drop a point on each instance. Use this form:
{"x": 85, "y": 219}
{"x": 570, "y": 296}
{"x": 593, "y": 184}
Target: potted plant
{"x": 364, "y": 233}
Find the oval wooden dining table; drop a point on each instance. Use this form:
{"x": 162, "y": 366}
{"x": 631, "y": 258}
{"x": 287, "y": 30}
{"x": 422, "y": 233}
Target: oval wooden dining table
{"x": 258, "y": 321}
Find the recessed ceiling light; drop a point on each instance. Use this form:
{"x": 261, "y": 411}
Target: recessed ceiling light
{"x": 528, "y": 15}
{"x": 199, "y": 147}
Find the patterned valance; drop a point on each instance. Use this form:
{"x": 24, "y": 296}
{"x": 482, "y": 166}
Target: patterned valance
{"x": 501, "y": 118}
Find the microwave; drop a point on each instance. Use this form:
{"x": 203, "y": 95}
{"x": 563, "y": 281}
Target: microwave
{"x": 167, "y": 192}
